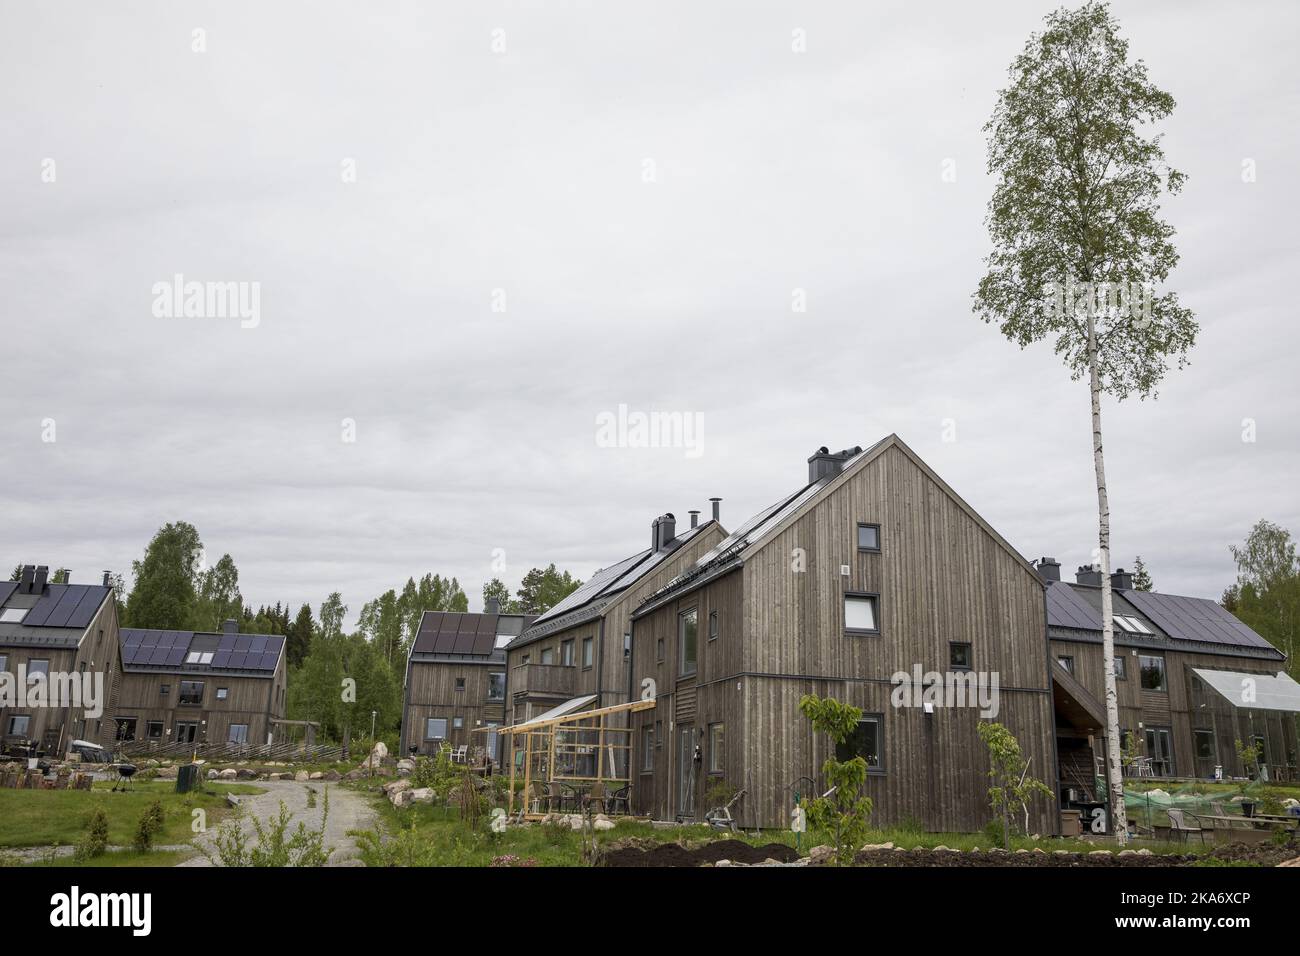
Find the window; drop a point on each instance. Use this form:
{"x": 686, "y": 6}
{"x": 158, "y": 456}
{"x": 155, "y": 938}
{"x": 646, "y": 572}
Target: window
{"x": 627, "y": 646}
{"x": 525, "y": 659}
{"x": 548, "y": 655}
{"x": 959, "y": 656}
{"x": 659, "y": 650}
{"x": 860, "y": 613}
{"x": 713, "y": 625}
{"x": 238, "y": 734}
{"x": 164, "y": 690}
{"x": 566, "y": 653}
{"x": 1132, "y": 625}
{"x": 199, "y": 657}
{"x": 587, "y": 652}
{"x": 868, "y": 537}
{"x": 1153, "y": 673}
{"x": 457, "y": 723}
{"x": 126, "y": 728}
{"x": 435, "y": 728}
{"x": 1067, "y": 663}
{"x": 1205, "y": 745}
{"x": 717, "y": 748}
{"x": 223, "y": 693}
{"x": 1258, "y": 741}
{"x": 191, "y": 692}
{"x": 19, "y": 724}
{"x": 4, "y": 663}
{"x": 497, "y": 685}
{"x": 688, "y": 641}
{"x": 13, "y": 615}
{"x": 1121, "y": 667}
{"x": 460, "y": 683}
{"x": 647, "y": 748}
{"x": 40, "y": 666}
{"x": 864, "y": 742}
{"x": 659, "y": 734}
{"x": 154, "y": 729}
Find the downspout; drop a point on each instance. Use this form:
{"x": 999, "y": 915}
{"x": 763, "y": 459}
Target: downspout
{"x": 1055, "y": 821}
{"x": 600, "y": 663}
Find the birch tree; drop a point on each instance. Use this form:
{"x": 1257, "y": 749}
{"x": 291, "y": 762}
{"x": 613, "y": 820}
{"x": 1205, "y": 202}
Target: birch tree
{"x": 1080, "y": 253}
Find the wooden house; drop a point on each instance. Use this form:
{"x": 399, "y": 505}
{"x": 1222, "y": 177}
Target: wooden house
{"x": 1191, "y": 682}
{"x": 456, "y": 680}
{"x": 576, "y": 656}
{"x": 62, "y": 631}
{"x": 871, "y": 569}
{"x": 202, "y": 689}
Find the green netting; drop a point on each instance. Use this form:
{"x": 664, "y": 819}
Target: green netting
{"x": 1147, "y": 806}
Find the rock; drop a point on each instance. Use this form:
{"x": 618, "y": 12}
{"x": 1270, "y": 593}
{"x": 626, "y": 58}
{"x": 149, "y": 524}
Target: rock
{"x": 724, "y": 863}
{"x": 379, "y": 753}
{"x": 575, "y": 822}
{"x": 354, "y": 774}
{"x": 421, "y": 794}
{"x": 396, "y": 786}
{"x": 405, "y": 765}
{"x": 1039, "y": 849}
{"x": 1295, "y": 862}
{"x": 318, "y": 775}
{"x": 599, "y": 824}
{"x": 1128, "y": 852}
{"x": 998, "y": 849}
{"x": 1062, "y": 853}
{"x": 400, "y": 798}
{"x": 213, "y": 774}
{"x": 868, "y": 847}
{"x": 1023, "y": 850}
{"x": 247, "y": 773}
{"x": 230, "y": 773}
{"x": 1095, "y": 853}
{"x": 1144, "y": 852}
{"x": 944, "y": 849}
{"x": 302, "y": 776}
{"x": 820, "y": 854}
{"x": 331, "y": 775}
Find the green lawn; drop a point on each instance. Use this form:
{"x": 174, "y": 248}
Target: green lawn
{"x": 49, "y": 817}
{"x": 113, "y": 858}
{"x": 425, "y": 835}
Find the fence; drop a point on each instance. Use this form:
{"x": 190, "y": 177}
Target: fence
{"x": 285, "y": 752}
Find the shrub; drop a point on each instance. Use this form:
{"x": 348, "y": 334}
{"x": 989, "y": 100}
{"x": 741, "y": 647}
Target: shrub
{"x": 276, "y": 844}
{"x": 844, "y": 812}
{"x": 151, "y": 824}
{"x": 96, "y": 839}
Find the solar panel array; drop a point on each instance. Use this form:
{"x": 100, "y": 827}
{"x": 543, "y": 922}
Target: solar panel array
{"x": 1066, "y": 608}
{"x": 168, "y": 649}
{"x": 1195, "y": 619}
{"x": 594, "y": 586}
{"x": 66, "y": 605}
{"x": 453, "y": 632}
{"x": 7, "y": 588}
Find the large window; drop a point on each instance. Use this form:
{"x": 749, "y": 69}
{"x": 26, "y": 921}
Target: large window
{"x": 688, "y": 641}
{"x": 647, "y": 748}
{"x": 868, "y": 537}
{"x": 191, "y": 692}
{"x": 1153, "y": 673}
{"x": 1205, "y": 749}
{"x": 18, "y": 725}
{"x": 717, "y": 748}
{"x": 865, "y": 742}
{"x": 548, "y": 655}
{"x": 435, "y": 728}
{"x": 861, "y": 613}
{"x": 566, "y": 653}
{"x": 588, "y": 651}
{"x": 126, "y": 728}
{"x": 497, "y": 685}
{"x": 238, "y": 734}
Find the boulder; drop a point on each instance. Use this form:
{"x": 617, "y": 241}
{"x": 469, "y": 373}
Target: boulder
{"x": 1100, "y": 853}
{"x": 400, "y": 798}
{"x": 246, "y": 773}
{"x": 820, "y": 854}
{"x": 599, "y": 824}
{"x": 318, "y": 775}
{"x": 354, "y": 774}
{"x": 213, "y": 774}
{"x": 230, "y": 773}
{"x": 331, "y": 775}
{"x": 379, "y": 753}
{"x": 396, "y": 786}
{"x": 302, "y": 776}
{"x": 421, "y": 794}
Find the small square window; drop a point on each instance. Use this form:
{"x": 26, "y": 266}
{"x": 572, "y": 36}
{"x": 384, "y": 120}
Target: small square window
{"x": 13, "y": 615}
{"x": 860, "y": 613}
{"x": 460, "y": 683}
{"x": 1067, "y": 663}
{"x": 457, "y": 723}
{"x": 222, "y": 693}
{"x": 164, "y": 690}
{"x": 868, "y": 537}
{"x": 959, "y": 656}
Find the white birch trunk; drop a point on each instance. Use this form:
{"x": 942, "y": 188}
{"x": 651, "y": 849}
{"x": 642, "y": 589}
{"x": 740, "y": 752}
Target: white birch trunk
{"x": 1114, "y": 767}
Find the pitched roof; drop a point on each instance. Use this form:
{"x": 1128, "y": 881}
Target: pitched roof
{"x": 462, "y": 634}
{"x": 57, "y": 617}
{"x": 148, "y": 649}
{"x": 1174, "y": 621}
{"x": 589, "y": 601}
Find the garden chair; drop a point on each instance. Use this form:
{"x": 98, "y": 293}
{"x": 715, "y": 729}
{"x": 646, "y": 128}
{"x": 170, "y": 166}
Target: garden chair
{"x": 541, "y": 798}
{"x": 621, "y": 800}
{"x": 559, "y": 797}
{"x": 595, "y": 796}
{"x": 459, "y": 754}
{"x": 1178, "y": 824}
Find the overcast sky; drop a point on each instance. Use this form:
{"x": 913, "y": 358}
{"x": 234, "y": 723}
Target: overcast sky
{"x": 501, "y": 154}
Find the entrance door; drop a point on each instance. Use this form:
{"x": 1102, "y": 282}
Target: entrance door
{"x": 1160, "y": 749}
{"x": 686, "y": 771}
{"x": 186, "y": 731}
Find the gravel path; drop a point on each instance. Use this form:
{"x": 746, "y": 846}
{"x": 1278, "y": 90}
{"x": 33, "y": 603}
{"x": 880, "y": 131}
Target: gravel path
{"x": 349, "y": 810}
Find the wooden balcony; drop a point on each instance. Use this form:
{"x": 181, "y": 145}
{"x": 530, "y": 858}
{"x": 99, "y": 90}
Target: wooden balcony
{"x": 531, "y": 679}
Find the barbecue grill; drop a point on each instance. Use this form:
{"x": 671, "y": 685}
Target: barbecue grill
{"x": 125, "y": 771}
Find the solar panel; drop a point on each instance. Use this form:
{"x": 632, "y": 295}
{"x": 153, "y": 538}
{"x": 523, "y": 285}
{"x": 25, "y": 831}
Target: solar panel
{"x": 7, "y": 588}
{"x": 1065, "y": 608}
{"x": 64, "y": 606}
{"x": 1196, "y": 619}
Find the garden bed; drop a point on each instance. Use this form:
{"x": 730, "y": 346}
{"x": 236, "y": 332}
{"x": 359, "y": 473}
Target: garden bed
{"x": 674, "y": 854}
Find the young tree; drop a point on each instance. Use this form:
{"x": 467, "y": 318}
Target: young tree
{"x": 164, "y": 594}
{"x": 1141, "y": 576}
{"x": 1011, "y": 787}
{"x": 845, "y": 811}
{"x": 1074, "y": 219}
{"x": 542, "y": 589}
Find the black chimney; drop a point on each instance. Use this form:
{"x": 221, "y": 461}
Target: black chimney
{"x": 42, "y": 574}
{"x": 1049, "y": 569}
{"x": 1087, "y": 574}
{"x": 1121, "y": 580}
{"x": 824, "y": 464}
{"x": 717, "y": 508}
{"x": 493, "y": 606}
{"x": 654, "y": 535}
{"x": 25, "y": 582}
{"x": 230, "y": 626}
{"x": 108, "y": 579}
{"x": 695, "y": 517}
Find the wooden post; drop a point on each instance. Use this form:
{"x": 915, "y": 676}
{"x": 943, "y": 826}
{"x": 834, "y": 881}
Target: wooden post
{"x": 510, "y": 749}
{"x": 600, "y": 749}
{"x": 528, "y": 769}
